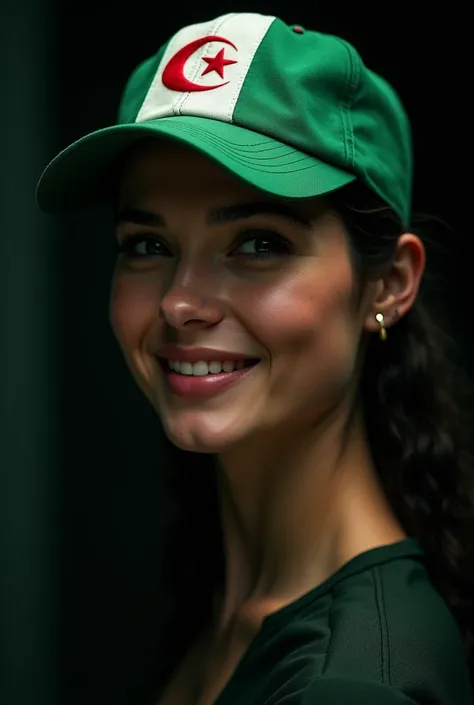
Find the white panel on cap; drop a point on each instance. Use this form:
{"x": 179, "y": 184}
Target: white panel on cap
{"x": 246, "y": 31}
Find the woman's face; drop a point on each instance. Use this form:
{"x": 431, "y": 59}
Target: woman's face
{"x": 191, "y": 280}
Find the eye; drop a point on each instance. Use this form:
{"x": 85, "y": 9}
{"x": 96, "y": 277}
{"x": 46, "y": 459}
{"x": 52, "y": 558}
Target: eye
{"x": 254, "y": 245}
{"x": 150, "y": 246}
{"x": 262, "y": 244}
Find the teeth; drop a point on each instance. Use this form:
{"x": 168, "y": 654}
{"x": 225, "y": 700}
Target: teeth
{"x": 202, "y": 368}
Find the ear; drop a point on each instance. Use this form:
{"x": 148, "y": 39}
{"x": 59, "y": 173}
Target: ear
{"x": 395, "y": 293}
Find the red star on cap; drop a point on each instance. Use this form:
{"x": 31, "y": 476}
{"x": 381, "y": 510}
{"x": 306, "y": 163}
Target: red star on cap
{"x": 216, "y": 63}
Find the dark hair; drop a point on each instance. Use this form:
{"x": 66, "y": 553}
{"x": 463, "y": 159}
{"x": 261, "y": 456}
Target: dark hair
{"x": 417, "y": 404}
{"x": 415, "y": 408}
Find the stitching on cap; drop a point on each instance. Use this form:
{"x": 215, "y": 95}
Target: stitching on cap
{"x": 214, "y": 30}
{"x": 243, "y": 76}
{"x": 353, "y": 81}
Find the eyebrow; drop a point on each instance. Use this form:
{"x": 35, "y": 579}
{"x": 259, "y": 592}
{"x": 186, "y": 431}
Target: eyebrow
{"x": 217, "y": 216}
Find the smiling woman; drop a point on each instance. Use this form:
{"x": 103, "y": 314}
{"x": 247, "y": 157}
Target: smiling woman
{"x": 266, "y": 301}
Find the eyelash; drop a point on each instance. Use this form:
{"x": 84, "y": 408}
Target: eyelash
{"x": 129, "y": 241}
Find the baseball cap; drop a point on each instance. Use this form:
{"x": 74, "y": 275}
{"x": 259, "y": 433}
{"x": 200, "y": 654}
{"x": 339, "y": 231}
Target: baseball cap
{"x": 293, "y": 112}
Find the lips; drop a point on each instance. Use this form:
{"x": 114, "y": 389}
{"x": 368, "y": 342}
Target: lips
{"x": 204, "y": 386}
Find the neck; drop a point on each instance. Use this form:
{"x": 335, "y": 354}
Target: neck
{"x": 292, "y": 515}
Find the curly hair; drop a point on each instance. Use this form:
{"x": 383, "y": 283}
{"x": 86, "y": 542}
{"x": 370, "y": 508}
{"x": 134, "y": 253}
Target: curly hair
{"x": 415, "y": 406}
{"x": 417, "y": 403}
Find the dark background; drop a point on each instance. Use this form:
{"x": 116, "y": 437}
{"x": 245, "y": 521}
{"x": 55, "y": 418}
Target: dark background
{"x": 83, "y": 509}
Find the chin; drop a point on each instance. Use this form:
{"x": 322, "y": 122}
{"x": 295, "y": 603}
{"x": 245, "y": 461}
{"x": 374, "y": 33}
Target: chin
{"x": 200, "y": 436}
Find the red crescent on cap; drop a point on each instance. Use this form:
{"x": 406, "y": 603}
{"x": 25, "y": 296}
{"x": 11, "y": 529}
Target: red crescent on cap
{"x": 173, "y": 76}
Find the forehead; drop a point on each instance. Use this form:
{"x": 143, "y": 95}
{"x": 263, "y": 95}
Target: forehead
{"x": 170, "y": 170}
{"x": 153, "y": 163}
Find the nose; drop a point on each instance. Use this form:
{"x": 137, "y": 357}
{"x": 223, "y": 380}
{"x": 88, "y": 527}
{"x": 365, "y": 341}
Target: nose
{"x": 189, "y": 302}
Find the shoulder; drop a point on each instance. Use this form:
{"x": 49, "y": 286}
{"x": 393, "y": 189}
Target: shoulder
{"x": 342, "y": 691}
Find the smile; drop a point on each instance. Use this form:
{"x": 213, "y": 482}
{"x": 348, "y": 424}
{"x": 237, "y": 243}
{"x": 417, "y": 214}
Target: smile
{"x": 202, "y": 380}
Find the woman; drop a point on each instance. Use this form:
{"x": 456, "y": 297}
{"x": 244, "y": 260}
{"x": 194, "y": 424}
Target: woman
{"x": 266, "y": 300}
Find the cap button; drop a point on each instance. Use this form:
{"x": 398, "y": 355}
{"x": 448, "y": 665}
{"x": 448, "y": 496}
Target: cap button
{"x": 298, "y": 29}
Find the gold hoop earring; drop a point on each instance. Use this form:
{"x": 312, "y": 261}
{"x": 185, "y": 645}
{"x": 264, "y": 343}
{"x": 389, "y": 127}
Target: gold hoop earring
{"x": 383, "y": 331}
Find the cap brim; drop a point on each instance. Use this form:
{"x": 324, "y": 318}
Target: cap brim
{"x": 78, "y": 177}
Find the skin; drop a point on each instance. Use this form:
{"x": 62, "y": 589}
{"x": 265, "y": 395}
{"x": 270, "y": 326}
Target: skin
{"x": 298, "y": 490}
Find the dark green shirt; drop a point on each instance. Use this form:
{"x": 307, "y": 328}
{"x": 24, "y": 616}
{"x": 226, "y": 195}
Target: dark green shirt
{"x": 374, "y": 633}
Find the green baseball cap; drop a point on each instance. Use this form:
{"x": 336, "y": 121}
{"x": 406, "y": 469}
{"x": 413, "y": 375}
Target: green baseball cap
{"x": 293, "y": 112}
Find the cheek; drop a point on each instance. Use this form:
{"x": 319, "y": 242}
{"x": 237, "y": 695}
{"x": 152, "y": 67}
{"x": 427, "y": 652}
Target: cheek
{"x": 310, "y": 331}
{"x": 133, "y": 306}
{"x": 301, "y": 311}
